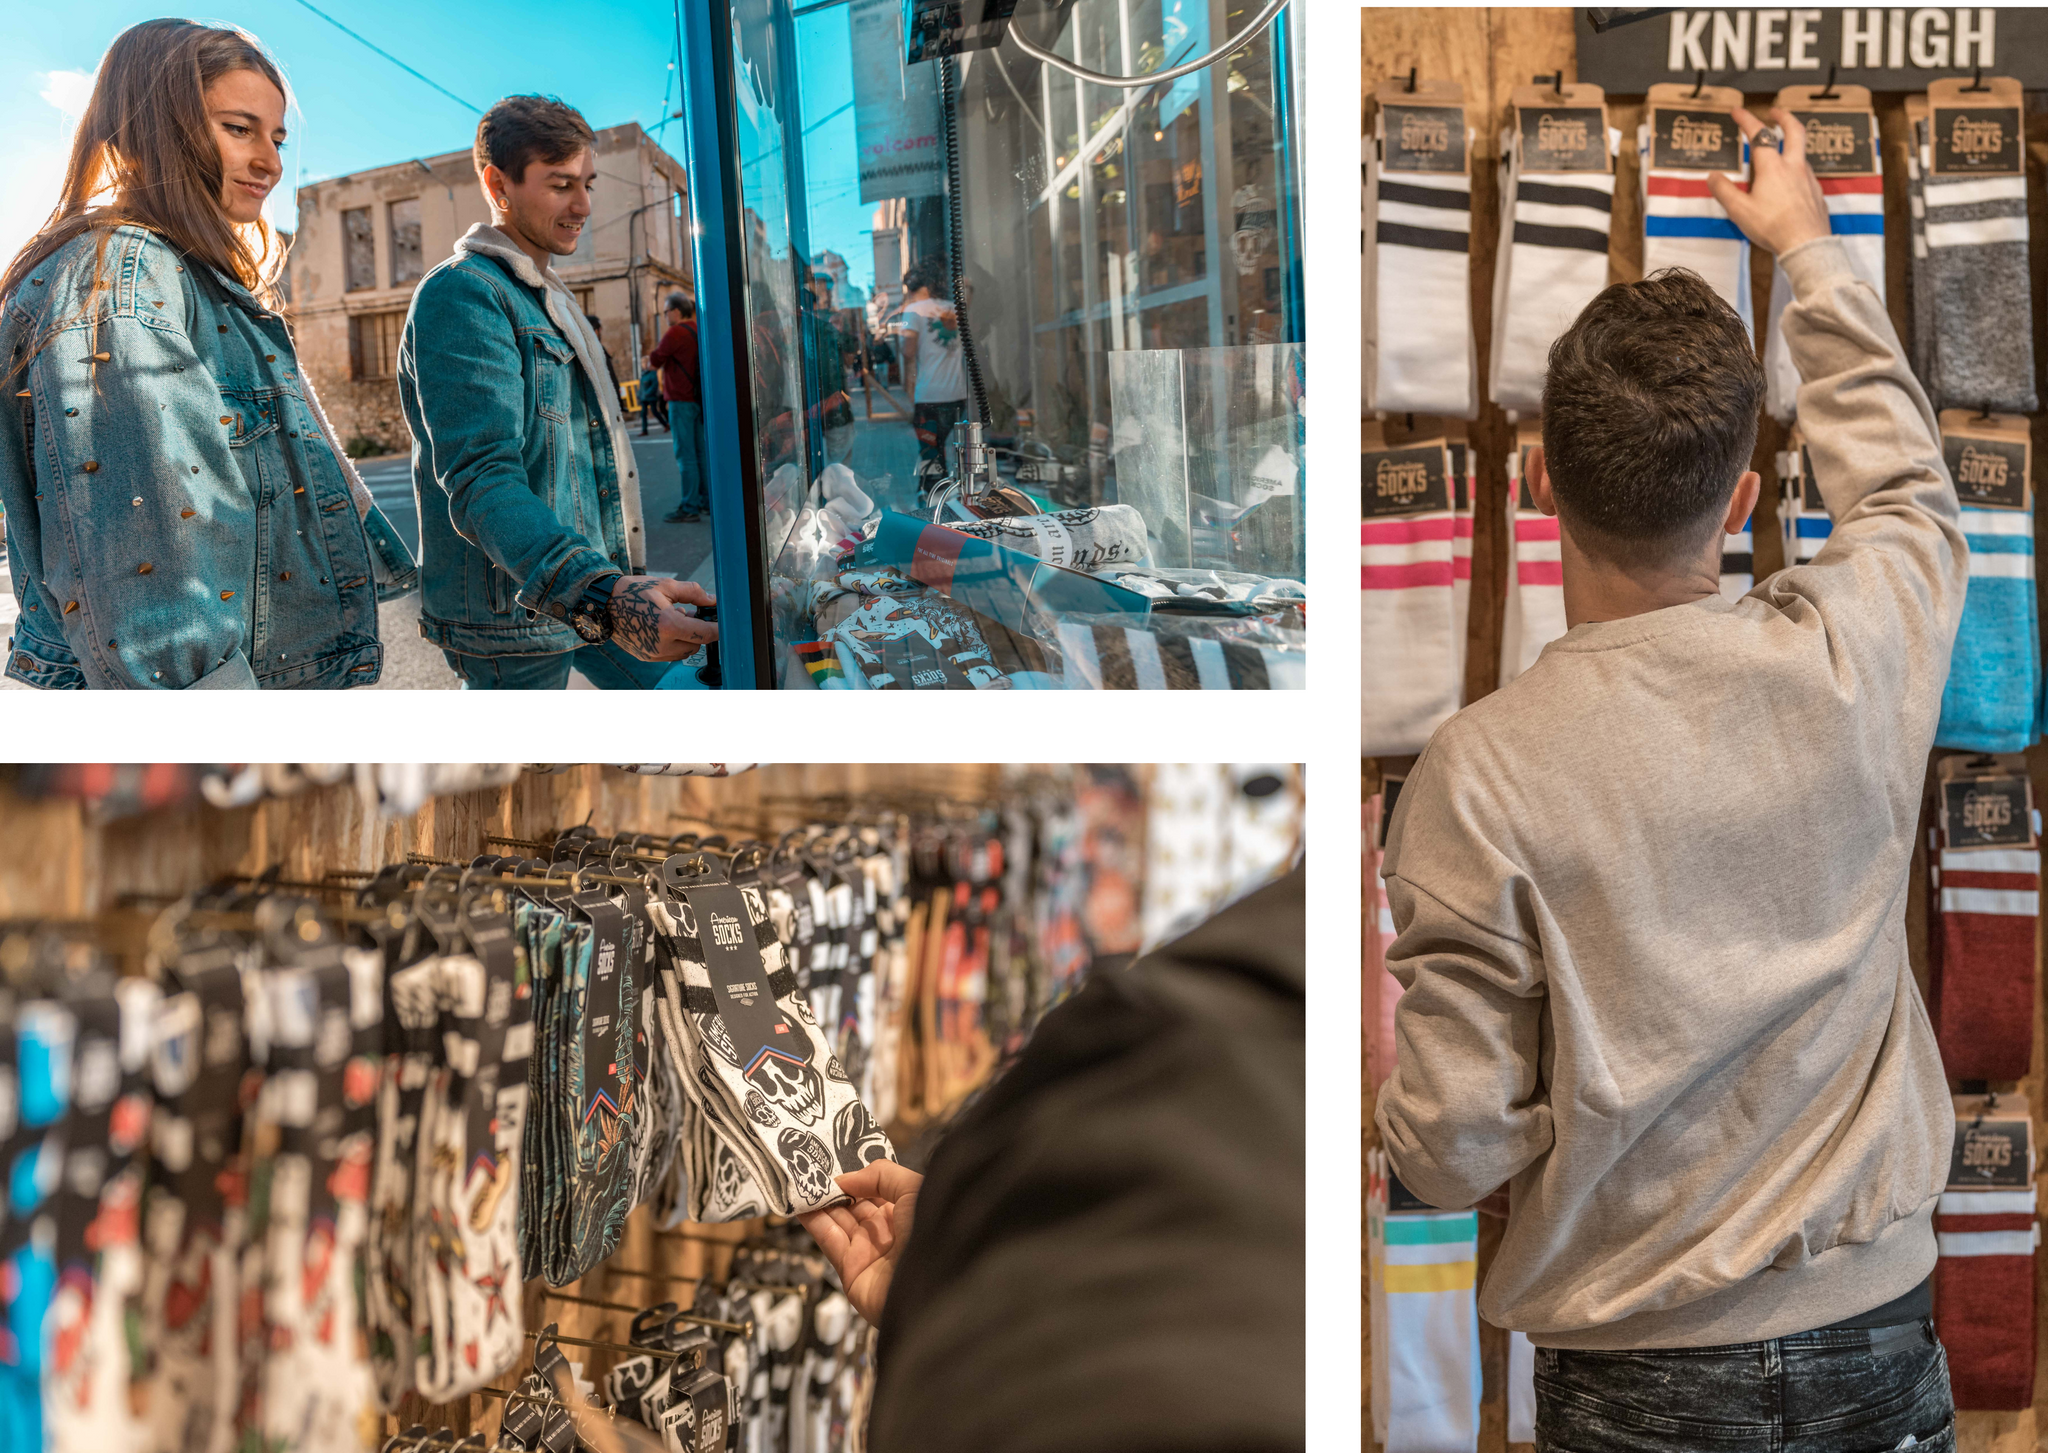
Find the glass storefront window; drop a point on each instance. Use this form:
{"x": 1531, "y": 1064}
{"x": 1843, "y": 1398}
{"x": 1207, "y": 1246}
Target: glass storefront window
{"x": 1133, "y": 279}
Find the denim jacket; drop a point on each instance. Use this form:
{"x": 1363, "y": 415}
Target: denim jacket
{"x": 178, "y": 514}
{"x": 518, "y": 443}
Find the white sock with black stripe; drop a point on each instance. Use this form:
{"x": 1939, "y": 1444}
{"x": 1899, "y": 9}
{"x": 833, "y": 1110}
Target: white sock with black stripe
{"x": 1423, "y": 296}
{"x": 1553, "y": 261}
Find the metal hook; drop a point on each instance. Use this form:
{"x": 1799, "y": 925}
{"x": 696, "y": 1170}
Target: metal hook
{"x": 1827, "y": 92}
{"x": 1977, "y": 81}
{"x": 1555, "y": 82}
{"x": 1699, "y": 82}
{"x": 1411, "y": 79}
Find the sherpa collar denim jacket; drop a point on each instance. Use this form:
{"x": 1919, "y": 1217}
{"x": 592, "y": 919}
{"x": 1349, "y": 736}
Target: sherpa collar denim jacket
{"x": 178, "y": 513}
{"x": 527, "y": 484}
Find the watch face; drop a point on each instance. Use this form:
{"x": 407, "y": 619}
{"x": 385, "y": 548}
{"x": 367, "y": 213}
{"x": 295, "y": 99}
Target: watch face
{"x": 585, "y": 623}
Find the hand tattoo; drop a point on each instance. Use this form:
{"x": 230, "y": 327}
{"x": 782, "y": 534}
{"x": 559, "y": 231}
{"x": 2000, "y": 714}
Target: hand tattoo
{"x": 636, "y": 617}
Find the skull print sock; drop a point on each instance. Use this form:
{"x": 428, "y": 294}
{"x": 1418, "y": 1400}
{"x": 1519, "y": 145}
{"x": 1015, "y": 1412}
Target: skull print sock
{"x": 784, "y": 1099}
{"x": 1421, "y": 236}
{"x": 1977, "y": 276}
{"x": 1422, "y": 1268}
{"x": 1552, "y": 261}
{"x": 1986, "y": 903}
{"x": 410, "y": 1019}
{"x": 1683, "y": 226}
{"x": 1856, "y": 217}
{"x": 1984, "y": 1296}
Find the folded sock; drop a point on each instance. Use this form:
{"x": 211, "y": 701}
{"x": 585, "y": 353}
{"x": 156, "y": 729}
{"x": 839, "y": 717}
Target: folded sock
{"x": 1422, "y": 234}
{"x": 1984, "y": 1296}
{"x": 1994, "y": 674}
{"x": 1683, "y": 226}
{"x": 1552, "y": 261}
{"x": 1982, "y": 971}
{"x": 1856, "y": 217}
{"x": 1408, "y": 622}
{"x": 1978, "y": 286}
{"x": 1422, "y": 1269}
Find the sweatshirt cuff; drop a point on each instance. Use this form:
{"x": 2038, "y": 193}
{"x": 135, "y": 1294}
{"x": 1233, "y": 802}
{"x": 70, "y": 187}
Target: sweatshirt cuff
{"x": 1815, "y": 264}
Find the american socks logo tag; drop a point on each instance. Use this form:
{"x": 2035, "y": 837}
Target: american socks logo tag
{"x": 1411, "y": 480}
{"x": 1563, "y": 138}
{"x": 739, "y": 980}
{"x": 1840, "y": 143}
{"x": 1976, "y": 141}
{"x": 1687, "y": 138}
{"x": 1424, "y": 139}
{"x": 1986, "y": 812}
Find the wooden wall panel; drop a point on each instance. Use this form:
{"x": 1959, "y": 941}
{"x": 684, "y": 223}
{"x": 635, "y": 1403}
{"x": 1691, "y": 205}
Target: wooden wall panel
{"x": 1489, "y": 52}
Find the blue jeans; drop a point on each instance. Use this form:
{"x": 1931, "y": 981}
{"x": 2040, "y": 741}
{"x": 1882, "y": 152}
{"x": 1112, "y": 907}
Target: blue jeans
{"x": 686, "y": 433}
{"x": 608, "y": 666}
{"x": 1836, "y": 1390}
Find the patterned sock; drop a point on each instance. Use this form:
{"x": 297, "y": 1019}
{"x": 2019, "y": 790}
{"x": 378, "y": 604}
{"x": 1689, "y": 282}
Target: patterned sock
{"x": 1984, "y": 1296}
{"x": 1553, "y": 260}
{"x": 1856, "y": 217}
{"x": 1803, "y": 519}
{"x": 1977, "y": 272}
{"x": 1422, "y": 232}
{"x": 1683, "y": 226}
{"x": 1422, "y": 1267}
{"x": 1994, "y": 674}
{"x": 1981, "y": 978}
{"x": 44, "y": 1032}
{"x": 1408, "y": 616}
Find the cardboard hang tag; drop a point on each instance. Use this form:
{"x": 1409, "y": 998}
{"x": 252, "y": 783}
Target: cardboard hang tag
{"x": 1985, "y": 802}
{"x": 1990, "y": 458}
{"x": 1841, "y": 128}
{"x": 1693, "y": 128}
{"x": 1993, "y": 1148}
{"x": 1406, "y": 479}
{"x": 1977, "y": 128}
{"x": 1562, "y": 129}
{"x": 1423, "y": 132}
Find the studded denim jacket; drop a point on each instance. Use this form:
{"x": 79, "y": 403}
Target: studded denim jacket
{"x": 527, "y": 484}
{"x": 178, "y": 514}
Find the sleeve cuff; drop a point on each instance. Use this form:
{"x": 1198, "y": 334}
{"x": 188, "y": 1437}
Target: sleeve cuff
{"x": 565, "y": 587}
{"x": 1817, "y": 264}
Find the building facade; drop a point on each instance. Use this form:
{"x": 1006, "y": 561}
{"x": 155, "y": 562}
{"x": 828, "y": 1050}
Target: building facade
{"x": 365, "y": 240}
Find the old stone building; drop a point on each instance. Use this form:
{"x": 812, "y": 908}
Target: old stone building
{"x": 365, "y": 240}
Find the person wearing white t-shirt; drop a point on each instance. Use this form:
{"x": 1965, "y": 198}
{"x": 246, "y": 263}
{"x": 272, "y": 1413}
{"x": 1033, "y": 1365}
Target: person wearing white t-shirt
{"x": 932, "y": 363}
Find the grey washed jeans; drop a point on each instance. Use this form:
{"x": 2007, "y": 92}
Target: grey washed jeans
{"x": 1830, "y": 1391}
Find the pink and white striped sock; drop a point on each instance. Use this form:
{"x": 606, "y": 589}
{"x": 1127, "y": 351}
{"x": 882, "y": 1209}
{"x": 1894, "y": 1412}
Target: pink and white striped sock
{"x": 1535, "y": 607}
{"x": 1407, "y": 621}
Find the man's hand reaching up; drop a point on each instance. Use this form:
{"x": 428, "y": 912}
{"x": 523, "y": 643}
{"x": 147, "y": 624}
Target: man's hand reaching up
{"x": 1783, "y": 206}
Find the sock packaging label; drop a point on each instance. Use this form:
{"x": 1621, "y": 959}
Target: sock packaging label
{"x": 1994, "y": 1144}
{"x": 1564, "y": 138}
{"x": 1976, "y": 127}
{"x": 1989, "y": 456}
{"x": 1412, "y": 479}
{"x": 1694, "y": 138}
{"x": 1423, "y": 139}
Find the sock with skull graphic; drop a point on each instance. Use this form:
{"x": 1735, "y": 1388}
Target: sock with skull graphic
{"x": 786, "y": 1101}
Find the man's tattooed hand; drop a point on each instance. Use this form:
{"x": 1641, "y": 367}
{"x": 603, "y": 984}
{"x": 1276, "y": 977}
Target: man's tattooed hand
{"x": 648, "y": 620}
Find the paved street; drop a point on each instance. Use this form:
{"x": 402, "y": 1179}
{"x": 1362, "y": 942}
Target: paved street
{"x": 411, "y": 664}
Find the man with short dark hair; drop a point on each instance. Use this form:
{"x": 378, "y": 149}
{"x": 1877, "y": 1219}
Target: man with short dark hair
{"x": 532, "y": 549}
{"x": 676, "y": 357}
{"x": 933, "y": 362}
{"x": 1650, "y": 896}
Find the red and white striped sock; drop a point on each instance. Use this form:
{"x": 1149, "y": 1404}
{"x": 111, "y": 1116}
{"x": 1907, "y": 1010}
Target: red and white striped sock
{"x": 1856, "y": 216}
{"x": 1407, "y": 621}
{"x": 1981, "y": 960}
{"x": 1535, "y": 613}
{"x": 1984, "y": 1296}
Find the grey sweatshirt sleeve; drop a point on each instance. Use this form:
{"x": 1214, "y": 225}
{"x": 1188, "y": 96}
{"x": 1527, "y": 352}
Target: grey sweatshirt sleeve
{"x": 1889, "y": 583}
{"x": 1466, "y": 1107}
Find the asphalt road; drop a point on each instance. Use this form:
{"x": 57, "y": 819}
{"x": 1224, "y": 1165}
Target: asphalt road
{"x": 411, "y": 664}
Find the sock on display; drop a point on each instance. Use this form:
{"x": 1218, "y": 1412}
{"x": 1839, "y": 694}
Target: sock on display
{"x": 1420, "y": 229}
{"x": 1984, "y": 1296}
{"x": 1919, "y": 284}
{"x": 1535, "y": 606}
{"x": 1423, "y": 1269}
{"x": 1976, "y": 271}
{"x": 1551, "y": 263}
{"x": 1521, "y": 1389}
{"x": 1856, "y": 218}
{"x": 1382, "y": 989}
{"x": 1683, "y": 226}
{"x": 1992, "y": 699}
{"x": 1465, "y": 488}
{"x": 1738, "y": 561}
{"x": 1408, "y": 596}
{"x": 1981, "y": 945}
{"x": 1804, "y": 525}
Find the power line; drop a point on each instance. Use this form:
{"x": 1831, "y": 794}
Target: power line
{"x": 388, "y": 56}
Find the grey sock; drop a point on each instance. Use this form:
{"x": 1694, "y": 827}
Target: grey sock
{"x": 1981, "y": 303}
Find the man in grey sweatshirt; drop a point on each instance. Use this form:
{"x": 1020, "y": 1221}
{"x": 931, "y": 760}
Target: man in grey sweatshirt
{"x": 1651, "y": 895}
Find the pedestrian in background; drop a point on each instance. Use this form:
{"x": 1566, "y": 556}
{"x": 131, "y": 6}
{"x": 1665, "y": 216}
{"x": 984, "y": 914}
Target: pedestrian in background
{"x": 676, "y": 357}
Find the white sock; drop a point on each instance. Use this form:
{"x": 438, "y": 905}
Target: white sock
{"x": 1683, "y": 226}
{"x": 1535, "y": 582}
{"x": 1422, "y": 1269}
{"x": 1804, "y": 520}
{"x": 1464, "y": 487}
{"x": 1521, "y": 1389}
{"x": 1856, "y": 217}
{"x": 1552, "y": 262}
{"x": 1407, "y": 616}
{"x": 1422, "y": 269}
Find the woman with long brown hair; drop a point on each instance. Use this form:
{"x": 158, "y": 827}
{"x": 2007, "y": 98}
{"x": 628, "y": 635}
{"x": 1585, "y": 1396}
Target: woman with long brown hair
{"x": 178, "y": 511}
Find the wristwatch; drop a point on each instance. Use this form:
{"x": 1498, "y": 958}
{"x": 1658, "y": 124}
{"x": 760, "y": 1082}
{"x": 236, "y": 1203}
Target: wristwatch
{"x": 591, "y": 616}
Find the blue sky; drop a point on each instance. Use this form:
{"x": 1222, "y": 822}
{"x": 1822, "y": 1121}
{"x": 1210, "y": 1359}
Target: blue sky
{"x": 356, "y": 110}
